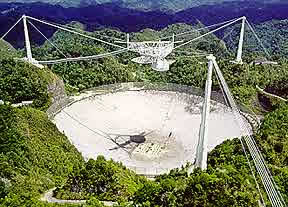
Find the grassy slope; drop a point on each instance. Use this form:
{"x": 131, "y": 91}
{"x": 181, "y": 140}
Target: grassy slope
{"x": 35, "y": 155}
{"x": 6, "y": 50}
{"x": 273, "y": 141}
{"x": 102, "y": 178}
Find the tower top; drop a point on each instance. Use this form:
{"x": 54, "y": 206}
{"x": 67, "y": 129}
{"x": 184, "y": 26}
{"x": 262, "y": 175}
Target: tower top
{"x": 211, "y": 57}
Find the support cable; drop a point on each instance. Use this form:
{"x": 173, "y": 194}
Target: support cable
{"x": 222, "y": 90}
{"x": 267, "y": 180}
{"x": 192, "y": 56}
{"x": 262, "y": 170}
{"x": 93, "y": 57}
{"x": 269, "y": 172}
{"x": 98, "y": 132}
{"x": 11, "y": 28}
{"x": 190, "y": 52}
{"x": 229, "y": 33}
{"x": 215, "y": 30}
{"x": 257, "y": 160}
{"x": 79, "y": 58}
{"x": 80, "y": 30}
{"x": 258, "y": 39}
{"x": 259, "y": 157}
{"x": 75, "y": 32}
{"x": 47, "y": 39}
{"x": 252, "y": 171}
{"x": 255, "y": 157}
{"x": 270, "y": 94}
{"x": 221, "y": 87}
{"x": 196, "y": 30}
{"x": 243, "y": 147}
{"x": 84, "y": 125}
{"x": 104, "y": 134}
{"x": 258, "y": 164}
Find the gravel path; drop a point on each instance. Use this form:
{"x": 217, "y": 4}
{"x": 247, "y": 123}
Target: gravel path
{"x": 48, "y": 197}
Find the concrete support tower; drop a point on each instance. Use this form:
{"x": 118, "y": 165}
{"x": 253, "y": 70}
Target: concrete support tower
{"x": 240, "y": 44}
{"x": 29, "y": 57}
{"x": 202, "y": 151}
{"x": 27, "y": 40}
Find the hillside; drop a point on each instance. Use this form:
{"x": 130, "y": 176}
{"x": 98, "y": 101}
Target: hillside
{"x": 6, "y": 49}
{"x": 35, "y": 156}
{"x": 273, "y": 34}
{"x": 24, "y": 82}
{"x": 143, "y": 5}
{"x": 130, "y": 20}
{"x": 186, "y": 70}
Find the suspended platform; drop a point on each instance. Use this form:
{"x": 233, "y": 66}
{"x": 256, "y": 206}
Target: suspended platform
{"x": 153, "y": 52}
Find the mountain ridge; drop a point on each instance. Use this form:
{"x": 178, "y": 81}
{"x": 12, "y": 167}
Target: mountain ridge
{"x": 131, "y": 20}
{"x": 169, "y": 6}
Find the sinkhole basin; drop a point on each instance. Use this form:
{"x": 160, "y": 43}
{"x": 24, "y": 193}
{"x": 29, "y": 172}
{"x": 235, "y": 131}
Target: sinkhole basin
{"x": 150, "y": 129}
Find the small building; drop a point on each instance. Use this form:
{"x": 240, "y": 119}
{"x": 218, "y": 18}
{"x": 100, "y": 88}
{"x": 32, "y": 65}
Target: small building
{"x": 23, "y": 103}
{"x": 263, "y": 62}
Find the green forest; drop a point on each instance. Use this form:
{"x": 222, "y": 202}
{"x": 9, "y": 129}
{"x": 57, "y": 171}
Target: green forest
{"x": 163, "y": 5}
{"x": 36, "y": 157}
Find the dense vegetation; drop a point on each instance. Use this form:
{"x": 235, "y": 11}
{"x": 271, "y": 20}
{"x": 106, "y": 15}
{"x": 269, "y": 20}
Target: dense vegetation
{"x": 35, "y": 156}
{"x": 131, "y": 20}
{"x": 242, "y": 79}
{"x": 146, "y": 5}
{"x": 225, "y": 183}
{"x": 6, "y": 49}
{"x": 103, "y": 179}
{"x": 20, "y": 81}
{"x": 273, "y": 140}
